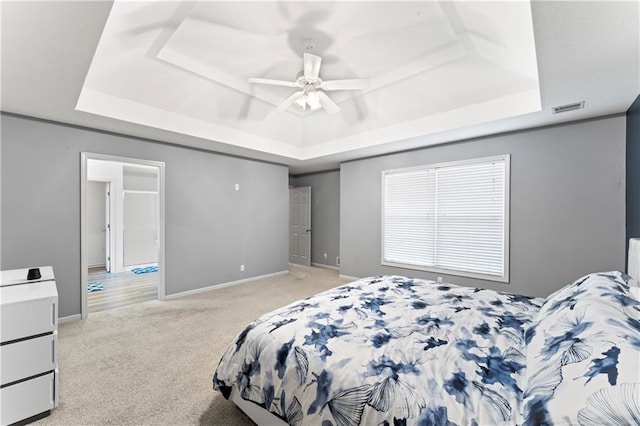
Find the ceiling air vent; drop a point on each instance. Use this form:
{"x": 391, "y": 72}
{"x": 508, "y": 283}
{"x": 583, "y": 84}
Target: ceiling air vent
{"x": 568, "y": 107}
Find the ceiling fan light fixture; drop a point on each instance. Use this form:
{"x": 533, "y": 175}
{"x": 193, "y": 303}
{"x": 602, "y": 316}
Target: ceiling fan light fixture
{"x": 313, "y": 100}
{"x": 301, "y": 102}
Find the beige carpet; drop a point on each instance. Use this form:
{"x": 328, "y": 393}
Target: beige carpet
{"x": 152, "y": 363}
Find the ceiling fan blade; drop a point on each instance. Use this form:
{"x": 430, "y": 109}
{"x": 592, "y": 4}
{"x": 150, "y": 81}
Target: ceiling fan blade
{"x": 351, "y": 84}
{"x": 311, "y": 66}
{"x": 289, "y": 101}
{"x": 273, "y": 82}
{"x": 327, "y": 103}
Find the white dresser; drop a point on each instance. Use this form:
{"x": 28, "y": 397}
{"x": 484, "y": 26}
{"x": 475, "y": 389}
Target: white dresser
{"x": 28, "y": 345}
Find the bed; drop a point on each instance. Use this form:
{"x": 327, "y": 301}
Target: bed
{"x": 392, "y": 350}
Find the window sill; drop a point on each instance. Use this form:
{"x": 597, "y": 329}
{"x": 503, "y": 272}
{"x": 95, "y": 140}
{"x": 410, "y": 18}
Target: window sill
{"x": 502, "y": 279}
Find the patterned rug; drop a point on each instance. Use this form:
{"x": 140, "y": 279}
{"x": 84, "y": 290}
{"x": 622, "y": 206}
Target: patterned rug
{"x": 145, "y": 270}
{"x": 95, "y": 286}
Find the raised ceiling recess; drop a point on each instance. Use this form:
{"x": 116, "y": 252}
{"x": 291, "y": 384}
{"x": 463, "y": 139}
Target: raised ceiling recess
{"x": 431, "y": 67}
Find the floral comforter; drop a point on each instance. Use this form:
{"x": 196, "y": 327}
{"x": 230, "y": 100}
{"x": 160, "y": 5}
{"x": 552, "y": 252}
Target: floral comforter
{"x": 583, "y": 355}
{"x": 386, "y": 350}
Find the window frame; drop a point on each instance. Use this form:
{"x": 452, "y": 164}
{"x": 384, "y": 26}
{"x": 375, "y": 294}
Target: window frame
{"x": 504, "y": 278}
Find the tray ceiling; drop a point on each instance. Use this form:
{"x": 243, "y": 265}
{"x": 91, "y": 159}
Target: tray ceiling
{"x": 183, "y": 67}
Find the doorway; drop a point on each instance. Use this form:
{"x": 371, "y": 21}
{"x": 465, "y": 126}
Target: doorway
{"x": 98, "y": 224}
{"x": 300, "y": 225}
{"x": 122, "y": 231}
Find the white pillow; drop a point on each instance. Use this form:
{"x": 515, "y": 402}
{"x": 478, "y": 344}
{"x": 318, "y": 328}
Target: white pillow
{"x": 583, "y": 355}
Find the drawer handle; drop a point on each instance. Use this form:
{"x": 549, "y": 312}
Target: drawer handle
{"x": 53, "y": 352}
{"x": 53, "y": 314}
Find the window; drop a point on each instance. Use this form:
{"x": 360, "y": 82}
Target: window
{"x": 451, "y": 218}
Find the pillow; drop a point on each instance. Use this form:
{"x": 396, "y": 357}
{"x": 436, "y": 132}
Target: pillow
{"x": 583, "y": 355}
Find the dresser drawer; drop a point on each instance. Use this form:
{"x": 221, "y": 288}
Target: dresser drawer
{"x": 27, "y": 358}
{"x": 27, "y": 318}
{"x": 26, "y": 399}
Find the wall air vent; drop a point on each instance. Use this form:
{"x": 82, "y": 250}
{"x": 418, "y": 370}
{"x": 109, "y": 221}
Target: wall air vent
{"x": 568, "y": 107}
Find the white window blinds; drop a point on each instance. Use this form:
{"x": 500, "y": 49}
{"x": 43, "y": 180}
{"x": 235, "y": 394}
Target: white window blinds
{"x": 410, "y": 221}
{"x": 449, "y": 217}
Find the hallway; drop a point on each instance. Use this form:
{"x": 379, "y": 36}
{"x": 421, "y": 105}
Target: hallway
{"x": 120, "y": 289}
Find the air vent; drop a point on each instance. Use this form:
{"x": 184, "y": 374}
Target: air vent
{"x": 568, "y": 107}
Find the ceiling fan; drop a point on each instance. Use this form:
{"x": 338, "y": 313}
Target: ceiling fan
{"x": 312, "y": 94}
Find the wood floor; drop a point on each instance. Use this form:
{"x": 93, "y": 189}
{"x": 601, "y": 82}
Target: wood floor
{"x": 120, "y": 289}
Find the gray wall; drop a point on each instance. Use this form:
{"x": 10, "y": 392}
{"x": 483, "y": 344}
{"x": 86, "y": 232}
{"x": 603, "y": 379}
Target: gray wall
{"x": 210, "y": 228}
{"x": 567, "y": 204}
{"x": 633, "y": 170}
{"x": 325, "y": 214}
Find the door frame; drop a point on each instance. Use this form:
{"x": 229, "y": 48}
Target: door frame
{"x": 84, "y": 276}
{"x": 107, "y": 218}
{"x": 107, "y": 226}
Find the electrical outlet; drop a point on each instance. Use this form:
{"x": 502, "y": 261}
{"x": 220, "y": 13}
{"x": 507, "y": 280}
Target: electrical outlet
{"x": 237, "y": 187}
{"x": 338, "y": 261}
{"x": 325, "y": 255}
{"x": 241, "y": 268}
{"x": 439, "y": 279}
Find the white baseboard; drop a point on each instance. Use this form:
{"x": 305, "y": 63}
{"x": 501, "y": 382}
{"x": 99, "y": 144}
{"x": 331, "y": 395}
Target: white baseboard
{"x": 299, "y": 265}
{"x": 69, "y": 318}
{"x": 348, "y": 277}
{"x": 322, "y": 265}
{"x": 223, "y": 285}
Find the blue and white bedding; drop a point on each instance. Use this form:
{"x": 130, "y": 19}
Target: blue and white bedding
{"x": 393, "y": 350}
{"x": 583, "y": 355}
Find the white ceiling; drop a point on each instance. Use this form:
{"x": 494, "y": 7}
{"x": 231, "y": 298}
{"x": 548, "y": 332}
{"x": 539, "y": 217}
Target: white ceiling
{"x": 440, "y": 71}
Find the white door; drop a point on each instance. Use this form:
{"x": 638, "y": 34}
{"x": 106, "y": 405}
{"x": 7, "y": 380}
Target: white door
{"x": 140, "y": 228}
{"x": 96, "y": 220}
{"x": 300, "y": 225}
